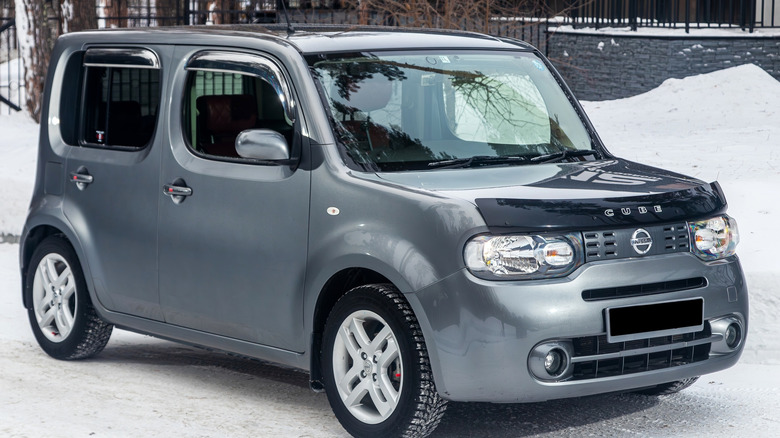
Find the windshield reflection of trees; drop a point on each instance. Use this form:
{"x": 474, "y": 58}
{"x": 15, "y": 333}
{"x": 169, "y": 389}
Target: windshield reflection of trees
{"x": 496, "y": 101}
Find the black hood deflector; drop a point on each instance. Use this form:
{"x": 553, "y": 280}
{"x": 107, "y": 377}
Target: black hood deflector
{"x": 543, "y": 215}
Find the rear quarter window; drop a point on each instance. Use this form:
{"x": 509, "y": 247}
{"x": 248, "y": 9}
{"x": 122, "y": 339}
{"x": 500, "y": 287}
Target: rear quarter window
{"x": 110, "y": 98}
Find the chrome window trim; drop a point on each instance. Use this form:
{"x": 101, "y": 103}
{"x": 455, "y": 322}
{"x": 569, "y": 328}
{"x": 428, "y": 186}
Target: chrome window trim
{"x": 121, "y": 58}
{"x": 248, "y": 64}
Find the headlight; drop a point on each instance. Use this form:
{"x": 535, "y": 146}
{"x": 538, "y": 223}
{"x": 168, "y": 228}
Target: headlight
{"x": 523, "y": 256}
{"x": 714, "y": 238}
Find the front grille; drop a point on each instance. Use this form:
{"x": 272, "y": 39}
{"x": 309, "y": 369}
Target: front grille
{"x": 594, "y": 358}
{"x": 675, "y": 238}
{"x": 600, "y": 245}
{"x": 643, "y": 289}
{"x": 616, "y": 244}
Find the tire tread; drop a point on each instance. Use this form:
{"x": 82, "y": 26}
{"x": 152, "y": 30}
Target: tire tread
{"x": 95, "y": 337}
{"x": 92, "y": 334}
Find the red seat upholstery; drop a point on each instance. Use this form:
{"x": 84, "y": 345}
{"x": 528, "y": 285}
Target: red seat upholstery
{"x": 221, "y": 119}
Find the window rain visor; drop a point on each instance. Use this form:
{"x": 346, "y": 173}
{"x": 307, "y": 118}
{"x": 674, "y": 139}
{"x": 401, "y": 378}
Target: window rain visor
{"x": 403, "y": 111}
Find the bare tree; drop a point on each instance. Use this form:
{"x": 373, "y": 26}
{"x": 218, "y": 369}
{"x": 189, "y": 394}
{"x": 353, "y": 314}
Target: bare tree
{"x": 475, "y": 15}
{"x": 36, "y": 38}
{"x": 77, "y": 15}
{"x": 223, "y": 11}
{"x": 38, "y": 24}
{"x": 167, "y": 12}
{"x": 116, "y": 11}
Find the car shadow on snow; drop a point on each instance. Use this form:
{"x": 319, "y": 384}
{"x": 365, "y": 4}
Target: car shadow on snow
{"x": 556, "y": 418}
{"x": 461, "y": 419}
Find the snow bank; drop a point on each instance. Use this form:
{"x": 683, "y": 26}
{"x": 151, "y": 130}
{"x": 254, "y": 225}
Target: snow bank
{"x": 724, "y": 124}
{"x": 18, "y": 153}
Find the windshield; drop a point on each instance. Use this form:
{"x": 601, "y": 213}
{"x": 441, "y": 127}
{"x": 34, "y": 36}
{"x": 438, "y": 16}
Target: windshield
{"x": 401, "y": 111}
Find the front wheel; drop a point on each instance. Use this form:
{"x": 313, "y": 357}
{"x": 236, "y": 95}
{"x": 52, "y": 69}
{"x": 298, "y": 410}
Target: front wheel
{"x": 62, "y": 317}
{"x": 376, "y": 368}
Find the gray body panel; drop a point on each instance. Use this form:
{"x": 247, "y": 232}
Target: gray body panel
{"x": 482, "y": 330}
{"x": 243, "y": 261}
{"x": 231, "y": 253}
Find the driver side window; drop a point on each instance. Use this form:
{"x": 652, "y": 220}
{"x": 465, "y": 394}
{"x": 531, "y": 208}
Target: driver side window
{"x": 221, "y": 104}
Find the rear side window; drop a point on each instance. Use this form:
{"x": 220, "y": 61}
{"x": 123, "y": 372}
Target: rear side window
{"x": 121, "y": 96}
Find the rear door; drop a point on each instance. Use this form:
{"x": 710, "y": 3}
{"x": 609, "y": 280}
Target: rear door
{"x": 233, "y": 232}
{"x": 113, "y": 172}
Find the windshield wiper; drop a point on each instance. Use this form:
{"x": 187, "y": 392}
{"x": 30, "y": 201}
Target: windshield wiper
{"x": 478, "y": 160}
{"x": 560, "y": 156}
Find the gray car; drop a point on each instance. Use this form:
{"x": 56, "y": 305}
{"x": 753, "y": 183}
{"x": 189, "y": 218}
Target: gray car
{"x": 410, "y": 216}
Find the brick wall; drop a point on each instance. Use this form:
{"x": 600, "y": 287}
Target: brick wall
{"x": 602, "y": 66}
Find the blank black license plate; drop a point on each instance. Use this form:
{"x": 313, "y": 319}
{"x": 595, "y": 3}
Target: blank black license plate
{"x": 653, "y": 320}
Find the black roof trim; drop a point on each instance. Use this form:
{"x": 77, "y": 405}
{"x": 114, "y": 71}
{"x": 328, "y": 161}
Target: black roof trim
{"x": 341, "y": 28}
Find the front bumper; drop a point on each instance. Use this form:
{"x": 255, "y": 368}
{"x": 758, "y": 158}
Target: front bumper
{"x": 480, "y": 333}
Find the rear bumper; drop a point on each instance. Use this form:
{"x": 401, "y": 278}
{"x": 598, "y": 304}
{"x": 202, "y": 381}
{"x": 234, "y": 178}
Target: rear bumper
{"x": 480, "y": 333}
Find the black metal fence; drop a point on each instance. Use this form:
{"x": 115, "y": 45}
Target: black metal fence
{"x": 743, "y": 14}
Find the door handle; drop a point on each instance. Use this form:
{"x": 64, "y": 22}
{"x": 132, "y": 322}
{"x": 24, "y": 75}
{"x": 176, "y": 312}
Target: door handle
{"x": 81, "y": 178}
{"x": 177, "y": 190}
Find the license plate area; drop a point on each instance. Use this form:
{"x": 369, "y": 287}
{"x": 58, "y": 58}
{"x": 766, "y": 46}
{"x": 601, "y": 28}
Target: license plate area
{"x": 628, "y": 323}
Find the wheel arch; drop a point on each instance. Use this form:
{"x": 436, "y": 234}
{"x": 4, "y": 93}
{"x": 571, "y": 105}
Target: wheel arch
{"x": 334, "y": 288}
{"x": 38, "y": 228}
{"x": 31, "y": 240}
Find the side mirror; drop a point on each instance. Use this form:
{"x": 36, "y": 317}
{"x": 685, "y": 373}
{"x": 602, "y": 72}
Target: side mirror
{"x": 262, "y": 144}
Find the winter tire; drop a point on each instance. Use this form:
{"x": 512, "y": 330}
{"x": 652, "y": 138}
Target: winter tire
{"x": 668, "y": 388}
{"x": 375, "y": 366}
{"x": 61, "y": 314}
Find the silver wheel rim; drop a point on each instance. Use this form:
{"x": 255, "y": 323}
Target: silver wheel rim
{"x": 54, "y": 297}
{"x": 367, "y": 367}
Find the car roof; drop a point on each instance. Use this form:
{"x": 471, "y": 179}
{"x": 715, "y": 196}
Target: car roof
{"x": 323, "y": 39}
{"x": 315, "y": 39}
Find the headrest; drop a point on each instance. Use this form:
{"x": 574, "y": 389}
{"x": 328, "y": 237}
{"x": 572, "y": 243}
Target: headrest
{"x": 369, "y": 94}
{"x": 227, "y": 113}
{"x": 125, "y": 125}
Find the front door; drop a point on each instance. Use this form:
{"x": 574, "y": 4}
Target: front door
{"x": 232, "y": 231}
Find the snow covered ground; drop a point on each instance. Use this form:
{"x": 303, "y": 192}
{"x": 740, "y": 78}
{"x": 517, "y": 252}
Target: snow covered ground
{"x": 722, "y": 126}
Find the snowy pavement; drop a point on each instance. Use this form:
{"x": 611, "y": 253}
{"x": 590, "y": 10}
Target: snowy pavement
{"x": 722, "y": 126}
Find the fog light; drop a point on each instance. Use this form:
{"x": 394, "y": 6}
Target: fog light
{"x": 553, "y": 362}
{"x": 733, "y": 335}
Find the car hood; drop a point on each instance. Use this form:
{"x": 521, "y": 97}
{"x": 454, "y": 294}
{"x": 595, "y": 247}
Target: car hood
{"x": 566, "y": 196}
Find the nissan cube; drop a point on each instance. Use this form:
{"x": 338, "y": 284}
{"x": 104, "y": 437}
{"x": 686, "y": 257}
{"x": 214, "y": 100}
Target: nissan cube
{"x": 411, "y": 217}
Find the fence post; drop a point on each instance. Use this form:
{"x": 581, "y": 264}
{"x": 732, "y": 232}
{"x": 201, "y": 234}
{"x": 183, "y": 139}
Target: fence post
{"x": 752, "y": 15}
{"x": 687, "y": 16}
{"x": 183, "y": 19}
{"x": 632, "y": 14}
{"x": 575, "y": 12}
{"x": 546, "y": 36}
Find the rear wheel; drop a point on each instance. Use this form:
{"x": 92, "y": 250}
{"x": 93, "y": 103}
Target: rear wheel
{"x": 376, "y": 368}
{"x": 62, "y": 317}
{"x": 668, "y": 388}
